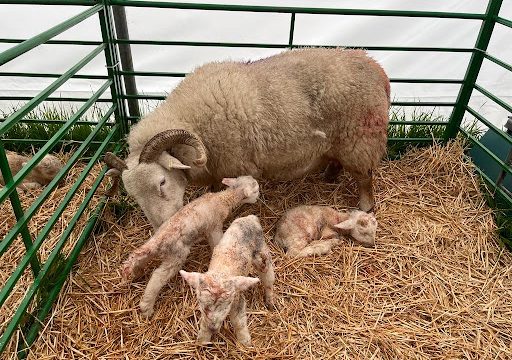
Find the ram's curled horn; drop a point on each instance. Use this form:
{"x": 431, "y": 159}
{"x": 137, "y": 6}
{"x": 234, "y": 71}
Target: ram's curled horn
{"x": 114, "y": 162}
{"x": 166, "y": 140}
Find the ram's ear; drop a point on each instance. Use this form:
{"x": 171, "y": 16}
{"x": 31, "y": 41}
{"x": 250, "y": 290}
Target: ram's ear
{"x": 113, "y": 173}
{"x": 170, "y": 162}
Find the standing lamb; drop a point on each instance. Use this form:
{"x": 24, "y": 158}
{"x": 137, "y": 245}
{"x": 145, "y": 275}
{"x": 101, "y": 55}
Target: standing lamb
{"x": 219, "y": 290}
{"x": 314, "y": 230}
{"x": 276, "y": 118}
{"x": 40, "y": 175}
{"x": 201, "y": 218}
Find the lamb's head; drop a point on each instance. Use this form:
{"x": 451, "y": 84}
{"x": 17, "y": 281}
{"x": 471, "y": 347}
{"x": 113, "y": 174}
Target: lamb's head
{"x": 361, "y": 226}
{"x": 215, "y": 294}
{"x": 247, "y": 184}
{"x": 157, "y": 179}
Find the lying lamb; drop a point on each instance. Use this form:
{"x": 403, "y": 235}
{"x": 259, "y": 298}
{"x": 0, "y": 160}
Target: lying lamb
{"x": 219, "y": 290}
{"x": 314, "y": 230}
{"x": 201, "y": 218}
{"x": 40, "y": 175}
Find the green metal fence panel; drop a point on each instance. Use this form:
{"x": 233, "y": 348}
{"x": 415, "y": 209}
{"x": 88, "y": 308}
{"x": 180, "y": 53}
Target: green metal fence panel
{"x": 113, "y": 92}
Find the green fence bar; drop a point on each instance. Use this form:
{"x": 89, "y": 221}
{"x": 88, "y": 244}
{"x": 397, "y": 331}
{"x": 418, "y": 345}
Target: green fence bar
{"x": 496, "y": 159}
{"x": 43, "y": 312}
{"x": 63, "y": 98}
{"x": 414, "y": 140}
{"x": 39, "y": 98}
{"x": 9, "y": 238}
{"x": 55, "y": 42}
{"x": 487, "y": 123}
{"x": 50, "y": 2}
{"x": 498, "y": 61}
{"x": 51, "y": 142}
{"x": 292, "y": 30}
{"x": 406, "y": 122}
{"x": 494, "y": 98}
{"x": 16, "y": 207}
{"x": 48, "y": 75}
{"x": 475, "y": 63}
{"x": 37, "y": 40}
{"x": 504, "y": 22}
{"x": 113, "y": 66}
{"x": 494, "y": 186}
{"x": 22, "y": 307}
{"x": 53, "y": 122}
{"x": 284, "y": 46}
{"x": 298, "y": 10}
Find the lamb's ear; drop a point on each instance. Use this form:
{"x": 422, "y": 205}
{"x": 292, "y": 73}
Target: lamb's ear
{"x": 244, "y": 282}
{"x": 170, "y": 162}
{"x": 348, "y": 224}
{"x": 192, "y": 278}
{"x": 229, "y": 181}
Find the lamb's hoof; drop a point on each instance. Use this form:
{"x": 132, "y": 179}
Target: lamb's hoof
{"x": 146, "y": 311}
{"x": 270, "y": 305}
{"x": 245, "y": 341}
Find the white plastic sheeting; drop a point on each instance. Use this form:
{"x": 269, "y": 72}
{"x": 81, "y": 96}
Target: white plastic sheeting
{"x": 22, "y": 21}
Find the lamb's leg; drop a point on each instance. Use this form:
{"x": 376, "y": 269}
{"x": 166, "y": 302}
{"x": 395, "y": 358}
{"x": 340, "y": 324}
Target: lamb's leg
{"x": 365, "y": 184}
{"x": 215, "y": 236}
{"x": 263, "y": 265}
{"x": 319, "y": 247}
{"x": 238, "y": 318}
{"x": 293, "y": 244}
{"x": 205, "y": 335}
{"x": 159, "y": 278}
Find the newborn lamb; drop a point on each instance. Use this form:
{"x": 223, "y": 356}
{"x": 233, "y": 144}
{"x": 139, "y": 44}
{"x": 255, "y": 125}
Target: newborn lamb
{"x": 40, "y": 175}
{"x": 201, "y": 218}
{"x": 219, "y": 290}
{"x": 314, "y": 230}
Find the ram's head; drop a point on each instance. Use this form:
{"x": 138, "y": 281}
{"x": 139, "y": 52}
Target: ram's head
{"x": 157, "y": 180}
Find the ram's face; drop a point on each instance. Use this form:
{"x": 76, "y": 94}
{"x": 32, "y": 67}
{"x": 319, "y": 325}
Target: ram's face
{"x": 158, "y": 191}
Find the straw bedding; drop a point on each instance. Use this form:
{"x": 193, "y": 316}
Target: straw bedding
{"x": 10, "y": 260}
{"x": 437, "y": 285}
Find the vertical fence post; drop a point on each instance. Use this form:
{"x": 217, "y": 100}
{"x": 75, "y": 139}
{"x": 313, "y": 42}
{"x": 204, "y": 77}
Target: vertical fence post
{"x": 475, "y": 63}
{"x": 17, "y": 208}
{"x": 292, "y": 30}
{"x": 113, "y": 65}
{"x": 125, "y": 54}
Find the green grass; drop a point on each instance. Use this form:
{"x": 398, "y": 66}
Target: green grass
{"x": 53, "y": 115}
{"x": 396, "y": 149}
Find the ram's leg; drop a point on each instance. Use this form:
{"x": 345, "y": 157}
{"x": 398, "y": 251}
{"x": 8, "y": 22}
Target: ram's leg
{"x": 215, "y": 236}
{"x": 263, "y": 265}
{"x": 365, "y": 184}
{"x": 205, "y": 335}
{"x": 238, "y": 317}
{"x": 159, "y": 278}
{"x": 332, "y": 171}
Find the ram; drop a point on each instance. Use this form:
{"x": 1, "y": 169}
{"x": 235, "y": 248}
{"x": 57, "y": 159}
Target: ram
{"x": 277, "y": 118}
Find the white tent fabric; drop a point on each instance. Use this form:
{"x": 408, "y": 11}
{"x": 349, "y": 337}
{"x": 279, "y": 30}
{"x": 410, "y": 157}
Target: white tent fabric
{"x": 22, "y": 21}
